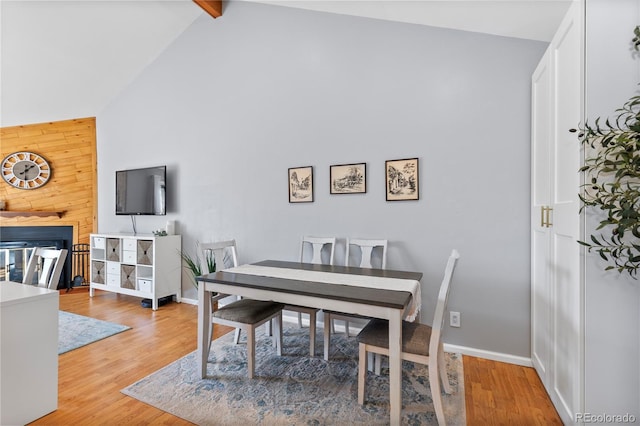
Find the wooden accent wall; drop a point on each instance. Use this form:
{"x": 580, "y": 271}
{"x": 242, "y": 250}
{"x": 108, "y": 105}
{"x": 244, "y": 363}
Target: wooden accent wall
{"x": 70, "y": 148}
{"x": 212, "y": 7}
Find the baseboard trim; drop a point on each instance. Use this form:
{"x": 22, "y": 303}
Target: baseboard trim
{"x": 494, "y": 356}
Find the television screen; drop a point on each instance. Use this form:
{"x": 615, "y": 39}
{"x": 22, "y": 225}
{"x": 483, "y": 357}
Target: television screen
{"x": 141, "y": 191}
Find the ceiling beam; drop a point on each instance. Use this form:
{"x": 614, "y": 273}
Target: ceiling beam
{"x": 212, "y": 7}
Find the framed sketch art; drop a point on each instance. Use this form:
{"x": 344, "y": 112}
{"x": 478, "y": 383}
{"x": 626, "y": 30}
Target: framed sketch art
{"x": 402, "y": 179}
{"x": 348, "y": 178}
{"x": 301, "y": 184}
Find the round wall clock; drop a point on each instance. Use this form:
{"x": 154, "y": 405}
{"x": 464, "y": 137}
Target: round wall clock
{"x": 25, "y": 170}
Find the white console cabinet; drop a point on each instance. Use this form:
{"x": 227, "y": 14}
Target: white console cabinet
{"x": 139, "y": 265}
{"x": 28, "y": 352}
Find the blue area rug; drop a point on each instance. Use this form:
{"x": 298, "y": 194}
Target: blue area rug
{"x": 293, "y": 389}
{"x": 75, "y": 331}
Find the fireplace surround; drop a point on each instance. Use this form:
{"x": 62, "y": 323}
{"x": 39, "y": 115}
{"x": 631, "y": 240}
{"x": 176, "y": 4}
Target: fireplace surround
{"x": 14, "y": 240}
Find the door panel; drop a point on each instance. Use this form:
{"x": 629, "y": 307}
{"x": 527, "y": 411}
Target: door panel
{"x": 540, "y": 193}
{"x": 567, "y": 65}
{"x": 556, "y": 293}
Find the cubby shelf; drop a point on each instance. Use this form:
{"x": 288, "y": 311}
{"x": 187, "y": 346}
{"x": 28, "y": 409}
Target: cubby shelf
{"x": 144, "y": 266}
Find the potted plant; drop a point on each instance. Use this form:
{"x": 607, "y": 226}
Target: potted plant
{"x": 193, "y": 265}
{"x": 612, "y": 183}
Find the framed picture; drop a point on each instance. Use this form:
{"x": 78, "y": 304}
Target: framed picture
{"x": 401, "y": 178}
{"x": 301, "y": 184}
{"x": 348, "y": 178}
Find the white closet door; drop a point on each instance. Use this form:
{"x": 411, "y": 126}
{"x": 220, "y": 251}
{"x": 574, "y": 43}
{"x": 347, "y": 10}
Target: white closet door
{"x": 557, "y": 295}
{"x": 541, "y": 302}
{"x": 566, "y": 275}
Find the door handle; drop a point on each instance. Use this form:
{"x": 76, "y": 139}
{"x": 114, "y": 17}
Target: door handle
{"x": 545, "y": 216}
{"x": 549, "y": 224}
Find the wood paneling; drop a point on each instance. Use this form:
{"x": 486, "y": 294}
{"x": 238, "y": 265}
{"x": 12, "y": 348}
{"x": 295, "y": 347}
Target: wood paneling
{"x": 212, "y": 7}
{"x": 70, "y": 148}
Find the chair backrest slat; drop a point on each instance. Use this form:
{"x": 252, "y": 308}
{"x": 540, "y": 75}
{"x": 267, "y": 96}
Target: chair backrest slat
{"x": 367, "y": 252}
{"x": 46, "y": 265}
{"x": 317, "y": 244}
{"x": 222, "y": 251}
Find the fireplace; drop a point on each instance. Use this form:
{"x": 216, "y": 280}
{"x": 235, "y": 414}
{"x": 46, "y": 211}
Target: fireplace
{"x": 17, "y": 242}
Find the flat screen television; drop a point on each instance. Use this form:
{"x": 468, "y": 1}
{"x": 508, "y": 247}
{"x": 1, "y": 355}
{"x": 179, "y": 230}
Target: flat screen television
{"x": 141, "y": 191}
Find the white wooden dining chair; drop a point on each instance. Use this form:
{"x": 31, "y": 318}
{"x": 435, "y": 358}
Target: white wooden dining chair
{"x": 217, "y": 256}
{"x": 420, "y": 344}
{"x": 45, "y": 266}
{"x": 319, "y": 250}
{"x": 243, "y": 314}
{"x": 247, "y": 315}
{"x": 364, "y": 253}
{"x": 221, "y": 255}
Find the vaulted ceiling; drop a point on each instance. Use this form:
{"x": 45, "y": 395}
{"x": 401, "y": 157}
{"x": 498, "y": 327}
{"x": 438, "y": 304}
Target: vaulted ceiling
{"x": 67, "y": 59}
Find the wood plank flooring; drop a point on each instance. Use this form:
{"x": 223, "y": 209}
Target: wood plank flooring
{"x": 91, "y": 377}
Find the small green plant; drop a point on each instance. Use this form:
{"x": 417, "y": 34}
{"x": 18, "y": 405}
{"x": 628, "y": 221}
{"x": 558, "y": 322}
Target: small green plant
{"x": 193, "y": 265}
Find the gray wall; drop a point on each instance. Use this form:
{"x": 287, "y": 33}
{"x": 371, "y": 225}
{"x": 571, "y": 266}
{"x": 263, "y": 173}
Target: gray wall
{"x": 234, "y": 102}
{"x": 612, "y": 306}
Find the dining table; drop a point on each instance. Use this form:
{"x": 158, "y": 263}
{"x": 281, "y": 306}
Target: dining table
{"x": 375, "y": 293}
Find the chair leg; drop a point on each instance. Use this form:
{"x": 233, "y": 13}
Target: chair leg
{"x": 374, "y": 363}
{"x": 434, "y": 383}
{"x": 370, "y": 361}
{"x": 278, "y": 333}
{"x": 299, "y": 319}
{"x": 346, "y": 327}
{"x": 271, "y": 325}
{"x": 442, "y": 365}
{"x": 378, "y": 366}
{"x": 328, "y": 325}
{"x": 251, "y": 351}
{"x": 312, "y": 333}
{"x": 362, "y": 371}
{"x": 236, "y": 336}
{"x": 210, "y": 332}
{"x": 333, "y": 326}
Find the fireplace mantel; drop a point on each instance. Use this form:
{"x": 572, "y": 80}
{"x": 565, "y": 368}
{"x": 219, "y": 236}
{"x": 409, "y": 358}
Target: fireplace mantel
{"x": 5, "y": 213}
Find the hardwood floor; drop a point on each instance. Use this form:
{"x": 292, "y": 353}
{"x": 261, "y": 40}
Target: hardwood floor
{"x": 497, "y": 393}
{"x": 91, "y": 377}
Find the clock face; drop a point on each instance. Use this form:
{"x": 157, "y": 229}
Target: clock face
{"x": 25, "y": 170}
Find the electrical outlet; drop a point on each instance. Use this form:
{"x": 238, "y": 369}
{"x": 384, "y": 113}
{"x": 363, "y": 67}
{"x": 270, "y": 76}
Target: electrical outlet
{"x": 454, "y": 319}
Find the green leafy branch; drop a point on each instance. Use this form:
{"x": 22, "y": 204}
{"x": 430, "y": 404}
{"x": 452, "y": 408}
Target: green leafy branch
{"x": 636, "y": 38}
{"x": 613, "y": 175}
{"x": 613, "y": 183}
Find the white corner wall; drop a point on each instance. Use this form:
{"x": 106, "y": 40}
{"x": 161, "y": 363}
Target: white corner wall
{"x": 234, "y": 102}
{"x": 612, "y": 305}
